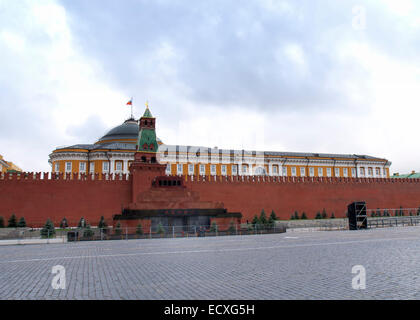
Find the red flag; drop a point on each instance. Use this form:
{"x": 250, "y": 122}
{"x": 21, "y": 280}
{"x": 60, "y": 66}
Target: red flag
{"x": 129, "y": 103}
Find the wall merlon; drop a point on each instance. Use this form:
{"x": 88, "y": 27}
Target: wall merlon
{"x": 46, "y": 176}
{"x": 295, "y": 180}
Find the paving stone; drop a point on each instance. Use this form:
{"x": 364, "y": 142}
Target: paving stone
{"x": 311, "y": 265}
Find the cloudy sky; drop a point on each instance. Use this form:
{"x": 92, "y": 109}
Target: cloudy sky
{"x": 312, "y": 76}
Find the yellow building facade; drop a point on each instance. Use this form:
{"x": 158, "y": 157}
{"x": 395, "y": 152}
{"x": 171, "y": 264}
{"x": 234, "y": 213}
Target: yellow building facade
{"x": 8, "y": 166}
{"x": 114, "y": 152}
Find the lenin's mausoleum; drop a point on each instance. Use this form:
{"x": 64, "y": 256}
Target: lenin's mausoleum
{"x": 131, "y": 176}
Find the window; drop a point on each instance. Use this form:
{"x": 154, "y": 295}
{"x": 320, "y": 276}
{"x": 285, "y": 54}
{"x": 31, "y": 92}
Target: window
{"x": 223, "y": 169}
{"x": 293, "y": 171}
{"x": 285, "y": 171}
{"x": 275, "y": 170}
{"x": 362, "y": 171}
{"x": 311, "y": 171}
{"x": 302, "y": 171}
{"x": 82, "y": 167}
{"x": 370, "y": 172}
{"x": 337, "y": 172}
{"x": 179, "y": 168}
{"x": 92, "y": 167}
{"x": 213, "y": 169}
{"x": 260, "y": 171}
{"x": 234, "y": 169}
{"x": 191, "y": 168}
{"x": 320, "y": 174}
{"x": 202, "y": 169}
{"x": 105, "y": 166}
{"x": 68, "y": 166}
{"x": 378, "y": 172}
{"x": 345, "y": 172}
{"x": 328, "y": 172}
{"x": 244, "y": 168}
{"x": 57, "y": 167}
{"x": 168, "y": 168}
{"x": 353, "y": 172}
{"x": 384, "y": 172}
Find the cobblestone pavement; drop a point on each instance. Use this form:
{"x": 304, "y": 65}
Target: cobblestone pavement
{"x": 311, "y": 265}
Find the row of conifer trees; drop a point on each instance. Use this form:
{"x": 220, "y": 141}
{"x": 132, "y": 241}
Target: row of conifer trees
{"x": 319, "y": 215}
{"x": 257, "y": 221}
{"x": 13, "y": 222}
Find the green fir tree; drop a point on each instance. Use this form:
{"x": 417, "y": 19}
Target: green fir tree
{"x": 139, "y": 229}
{"x": 272, "y": 219}
{"x": 231, "y": 229}
{"x": 21, "y": 223}
{"x": 82, "y": 223}
{"x": 118, "y": 229}
{"x": 263, "y": 218}
{"x": 64, "y": 224}
{"x": 48, "y": 231}
{"x": 88, "y": 232}
{"x": 255, "y": 221}
{"x": 213, "y": 227}
{"x": 12, "y": 223}
{"x": 102, "y": 223}
{"x": 160, "y": 229}
{"x": 273, "y": 215}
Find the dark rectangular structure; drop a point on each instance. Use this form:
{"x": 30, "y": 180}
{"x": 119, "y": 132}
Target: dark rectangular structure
{"x": 72, "y": 236}
{"x": 357, "y": 215}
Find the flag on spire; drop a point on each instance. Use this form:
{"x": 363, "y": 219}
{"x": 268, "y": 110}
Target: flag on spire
{"x": 130, "y": 103}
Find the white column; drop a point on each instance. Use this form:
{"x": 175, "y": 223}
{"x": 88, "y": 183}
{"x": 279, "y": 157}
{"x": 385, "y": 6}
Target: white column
{"x": 125, "y": 164}
{"x": 112, "y": 164}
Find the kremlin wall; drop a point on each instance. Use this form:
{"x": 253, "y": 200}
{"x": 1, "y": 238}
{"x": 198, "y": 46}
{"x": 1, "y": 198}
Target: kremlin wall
{"x": 148, "y": 193}
{"x": 41, "y": 196}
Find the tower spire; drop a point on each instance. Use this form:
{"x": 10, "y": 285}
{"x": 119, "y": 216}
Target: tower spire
{"x": 147, "y": 113}
{"x": 147, "y": 135}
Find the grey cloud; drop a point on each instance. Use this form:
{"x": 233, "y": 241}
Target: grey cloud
{"x": 225, "y": 53}
{"x": 89, "y": 131}
{"x": 229, "y": 50}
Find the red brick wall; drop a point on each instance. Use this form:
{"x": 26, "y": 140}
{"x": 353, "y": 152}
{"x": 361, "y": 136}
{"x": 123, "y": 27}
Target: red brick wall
{"x": 38, "y": 199}
{"x": 285, "y": 195}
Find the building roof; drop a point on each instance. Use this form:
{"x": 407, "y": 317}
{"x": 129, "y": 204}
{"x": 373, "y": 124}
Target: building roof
{"x": 128, "y": 130}
{"x": 170, "y": 148}
{"x": 122, "y": 137}
{"x": 126, "y": 136}
{"x": 413, "y": 174}
{"x": 323, "y": 155}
